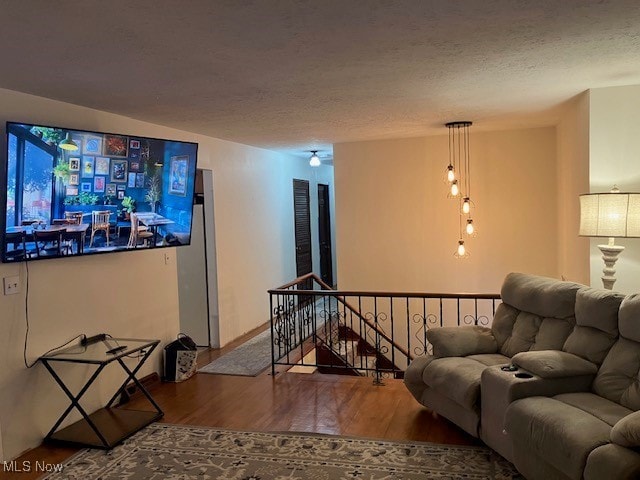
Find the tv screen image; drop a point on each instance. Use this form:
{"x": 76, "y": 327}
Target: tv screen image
{"x": 74, "y": 192}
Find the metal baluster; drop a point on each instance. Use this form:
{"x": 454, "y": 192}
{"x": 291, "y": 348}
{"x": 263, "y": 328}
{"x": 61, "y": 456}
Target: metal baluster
{"x": 273, "y": 347}
{"x": 408, "y": 331}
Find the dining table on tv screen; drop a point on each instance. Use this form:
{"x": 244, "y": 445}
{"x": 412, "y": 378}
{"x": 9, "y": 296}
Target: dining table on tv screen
{"x": 153, "y": 221}
{"x": 73, "y": 233}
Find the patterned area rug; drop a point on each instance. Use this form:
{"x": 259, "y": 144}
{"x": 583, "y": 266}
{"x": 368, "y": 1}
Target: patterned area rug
{"x": 249, "y": 359}
{"x": 163, "y": 451}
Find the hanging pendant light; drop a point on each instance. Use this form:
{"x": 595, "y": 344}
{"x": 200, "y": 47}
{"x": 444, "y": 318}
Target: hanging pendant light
{"x": 470, "y": 229}
{"x": 68, "y": 144}
{"x": 455, "y": 190}
{"x": 314, "y": 161}
{"x": 461, "y": 251}
{"x": 451, "y": 173}
{"x": 466, "y": 205}
{"x": 459, "y": 177}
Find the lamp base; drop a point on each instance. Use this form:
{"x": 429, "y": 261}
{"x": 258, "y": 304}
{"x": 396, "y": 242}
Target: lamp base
{"x": 610, "y": 256}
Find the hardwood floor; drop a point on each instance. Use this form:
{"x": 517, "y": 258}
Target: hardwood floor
{"x": 332, "y": 404}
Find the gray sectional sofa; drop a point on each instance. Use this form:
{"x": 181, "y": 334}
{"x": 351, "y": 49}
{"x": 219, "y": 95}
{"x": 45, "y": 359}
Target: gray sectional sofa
{"x": 567, "y": 407}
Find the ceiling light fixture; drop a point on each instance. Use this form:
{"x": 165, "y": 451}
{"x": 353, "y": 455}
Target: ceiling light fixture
{"x": 68, "y": 144}
{"x": 459, "y": 178}
{"x": 314, "y": 161}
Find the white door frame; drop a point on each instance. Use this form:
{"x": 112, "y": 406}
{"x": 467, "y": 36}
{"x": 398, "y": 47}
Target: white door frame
{"x": 211, "y": 259}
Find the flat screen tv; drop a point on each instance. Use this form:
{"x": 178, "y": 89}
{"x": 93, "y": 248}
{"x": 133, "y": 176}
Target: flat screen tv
{"x": 73, "y": 192}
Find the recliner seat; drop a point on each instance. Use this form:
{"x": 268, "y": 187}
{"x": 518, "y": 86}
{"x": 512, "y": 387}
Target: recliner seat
{"x": 536, "y": 313}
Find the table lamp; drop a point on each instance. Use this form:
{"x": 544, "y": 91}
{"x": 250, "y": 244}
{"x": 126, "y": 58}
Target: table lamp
{"x": 613, "y": 214}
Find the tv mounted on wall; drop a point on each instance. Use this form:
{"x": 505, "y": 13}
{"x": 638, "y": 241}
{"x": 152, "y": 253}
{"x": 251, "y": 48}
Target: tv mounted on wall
{"x": 73, "y": 192}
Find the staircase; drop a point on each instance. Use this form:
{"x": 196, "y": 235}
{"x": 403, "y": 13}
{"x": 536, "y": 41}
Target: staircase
{"x": 344, "y": 352}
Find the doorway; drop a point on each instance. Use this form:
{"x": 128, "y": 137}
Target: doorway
{"x": 324, "y": 234}
{"x": 302, "y": 223}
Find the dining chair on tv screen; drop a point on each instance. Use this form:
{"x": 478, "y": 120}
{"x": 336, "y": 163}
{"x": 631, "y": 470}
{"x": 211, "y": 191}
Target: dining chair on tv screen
{"x": 48, "y": 242}
{"x": 76, "y": 217}
{"x": 16, "y": 247}
{"x": 100, "y": 222}
{"x": 138, "y": 232}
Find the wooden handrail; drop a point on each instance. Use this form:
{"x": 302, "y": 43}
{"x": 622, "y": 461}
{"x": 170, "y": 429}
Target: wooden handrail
{"x": 351, "y": 293}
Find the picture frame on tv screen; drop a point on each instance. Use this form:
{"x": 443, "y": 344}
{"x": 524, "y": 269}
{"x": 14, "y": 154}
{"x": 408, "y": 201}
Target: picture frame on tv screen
{"x": 74, "y": 192}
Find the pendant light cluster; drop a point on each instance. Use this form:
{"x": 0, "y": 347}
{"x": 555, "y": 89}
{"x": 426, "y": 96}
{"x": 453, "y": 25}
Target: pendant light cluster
{"x": 459, "y": 180}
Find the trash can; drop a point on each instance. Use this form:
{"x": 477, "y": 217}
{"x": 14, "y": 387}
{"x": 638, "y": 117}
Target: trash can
{"x": 180, "y": 359}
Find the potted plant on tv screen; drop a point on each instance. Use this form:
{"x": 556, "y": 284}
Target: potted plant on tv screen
{"x": 61, "y": 171}
{"x": 128, "y": 207}
{"x": 154, "y": 192}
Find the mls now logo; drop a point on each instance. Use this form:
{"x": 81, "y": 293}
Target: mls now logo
{"x": 27, "y": 466}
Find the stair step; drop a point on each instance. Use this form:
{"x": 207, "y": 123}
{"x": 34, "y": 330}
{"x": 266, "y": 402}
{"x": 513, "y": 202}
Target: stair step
{"x": 344, "y": 348}
{"x": 366, "y": 361}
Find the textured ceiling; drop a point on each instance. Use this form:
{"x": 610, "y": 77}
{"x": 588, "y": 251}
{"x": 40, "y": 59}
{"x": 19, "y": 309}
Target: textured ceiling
{"x": 293, "y": 75}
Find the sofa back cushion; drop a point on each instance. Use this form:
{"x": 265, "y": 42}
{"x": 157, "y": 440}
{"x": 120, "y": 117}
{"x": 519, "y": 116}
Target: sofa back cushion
{"x": 537, "y": 313}
{"x": 618, "y": 378}
{"x": 596, "y": 327}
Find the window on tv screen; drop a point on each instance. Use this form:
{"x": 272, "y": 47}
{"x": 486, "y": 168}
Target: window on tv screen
{"x": 72, "y": 192}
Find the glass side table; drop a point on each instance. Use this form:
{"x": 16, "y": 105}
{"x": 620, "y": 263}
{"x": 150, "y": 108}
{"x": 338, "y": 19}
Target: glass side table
{"x": 108, "y": 426}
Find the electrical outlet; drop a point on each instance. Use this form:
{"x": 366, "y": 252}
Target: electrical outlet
{"x": 12, "y": 285}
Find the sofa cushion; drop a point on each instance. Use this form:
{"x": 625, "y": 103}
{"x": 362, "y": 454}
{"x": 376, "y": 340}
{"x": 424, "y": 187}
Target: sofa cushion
{"x": 589, "y": 343}
{"x": 546, "y": 297}
{"x": 626, "y": 432}
{"x": 490, "y": 359}
{"x": 558, "y": 432}
{"x": 503, "y": 321}
{"x": 629, "y": 322}
{"x": 596, "y": 327}
{"x": 532, "y": 332}
{"x": 612, "y": 461}
{"x": 457, "y": 378}
{"x": 461, "y": 341}
{"x": 537, "y": 313}
{"x": 552, "y": 333}
{"x": 601, "y": 408}
{"x": 618, "y": 378}
{"x": 598, "y": 309}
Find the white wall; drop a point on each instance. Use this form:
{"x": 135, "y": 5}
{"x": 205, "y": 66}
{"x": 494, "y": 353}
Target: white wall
{"x": 255, "y": 233}
{"x": 397, "y": 231}
{"x": 573, "y": 180}
{"x": 135, "y": 294}
{"x": 614, "y": 158}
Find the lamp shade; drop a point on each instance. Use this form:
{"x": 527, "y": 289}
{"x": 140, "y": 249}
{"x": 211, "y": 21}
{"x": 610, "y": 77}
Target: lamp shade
{"x": 610, "y": 214}
{"x": 68, "y": 144}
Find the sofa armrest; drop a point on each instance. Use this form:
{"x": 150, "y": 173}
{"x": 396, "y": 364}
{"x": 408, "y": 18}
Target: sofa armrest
{"x": 461, "y": 341}
{"x": 554, "y": 364}
{"x": 612, "y": 461}
{"x": 626, "y": 432}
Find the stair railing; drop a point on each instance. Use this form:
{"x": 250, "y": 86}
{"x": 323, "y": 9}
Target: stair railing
{"x": 393, "y": 324}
